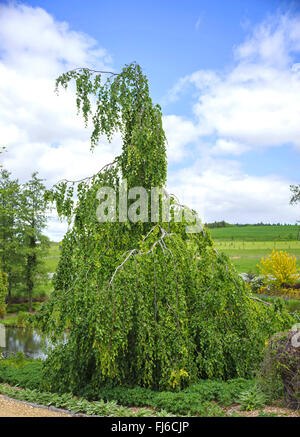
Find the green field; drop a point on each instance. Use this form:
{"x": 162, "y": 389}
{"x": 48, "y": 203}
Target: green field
{"x": 256, "y": 233}
{"x": 246, "y": 245}
{"x": 245, "y": 255}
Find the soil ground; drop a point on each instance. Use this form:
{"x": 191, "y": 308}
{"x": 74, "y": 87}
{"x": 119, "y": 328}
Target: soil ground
{"x": 13, "y": 408}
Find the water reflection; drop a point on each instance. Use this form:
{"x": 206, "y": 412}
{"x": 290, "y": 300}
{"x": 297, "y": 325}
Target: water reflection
{"x": 30, "y": 343}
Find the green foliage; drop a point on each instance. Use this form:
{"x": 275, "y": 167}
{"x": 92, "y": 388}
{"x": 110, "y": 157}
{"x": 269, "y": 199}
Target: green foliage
{"x": 256, "y": 283}
{"x": 33, "y": 216}
{"x": 252, "y": 399}
{"x": 144, "y": 303}
{"x": 22, "y": 318}
{"x": 11, "y": 258}
{"x": 3, "y": 293}
{"x": 15, "y": 308}
{"x": 123, "y": 104}
{"x": 202, "y": 399}
{"x": 22, "y": 244}
{"x": 19, "y": 372}
{"x": 9, "y": 321}
{"x": 195, "y": 400}
{"x": 295, "y": 190}
{"x": 75, "y": 405}
{"x": 198, "y": 399}
{"x": 16, "y": 360}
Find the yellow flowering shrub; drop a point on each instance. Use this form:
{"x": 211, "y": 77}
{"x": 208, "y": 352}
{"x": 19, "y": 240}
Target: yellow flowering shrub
{"x": 279, "y": 268}
{"x": 179, "y": 379}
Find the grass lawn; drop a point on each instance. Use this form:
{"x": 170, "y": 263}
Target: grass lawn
{"x": 44, "y": 287}
{"x": 51, "y": 260}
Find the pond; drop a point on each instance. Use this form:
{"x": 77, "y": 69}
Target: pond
{"x": 29, "y": 342}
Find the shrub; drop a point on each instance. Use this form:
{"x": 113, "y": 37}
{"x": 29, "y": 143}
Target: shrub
{"x": 26, "y": 374}
{"x": 252, "y": 398}
{"x": 279, "y": 269}
{"x": 15, "y": 308}
{"x": 195, "y": 400}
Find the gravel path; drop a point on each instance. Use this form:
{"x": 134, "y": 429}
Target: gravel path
{"x": 13, "y": 408}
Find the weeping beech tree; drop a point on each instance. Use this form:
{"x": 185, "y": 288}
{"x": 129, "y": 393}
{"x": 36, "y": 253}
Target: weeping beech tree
{"x": 144, "y": 302}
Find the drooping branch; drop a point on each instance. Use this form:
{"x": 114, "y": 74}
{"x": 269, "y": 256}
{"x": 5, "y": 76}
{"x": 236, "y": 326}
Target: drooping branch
{"x": 136, "y": 251}
{"x": 106, "y": 166}
{"x": 92, "y": 71}
{"x": 121, "y": 265}
{"x": 260, "y": 300}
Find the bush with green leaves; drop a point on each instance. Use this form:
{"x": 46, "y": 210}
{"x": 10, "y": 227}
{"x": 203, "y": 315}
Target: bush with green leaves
{"x": 253, "y": 398}
{"x": 15, "y": 308}
{"x": 145, "y": 302}
{"x": 20, "y": 372}
{"x": 194, "y": 400}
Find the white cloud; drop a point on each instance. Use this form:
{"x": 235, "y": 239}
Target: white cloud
{"x": 256, "y": 105}
{"x": 257, "y": 102}
{"x": 40, "y": 129}
{"x": 272, "y": 42}
{"x": 225, "y": 147}
{"x": 33, "y": 41}
{"x": 218, "y": 190}
{"x": 180, "y": 132}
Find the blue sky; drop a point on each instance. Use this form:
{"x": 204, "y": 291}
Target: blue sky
{"x": 226, "y": 73}
{"x": 169, "y": 39}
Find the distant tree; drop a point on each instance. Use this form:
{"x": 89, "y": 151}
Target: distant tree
{"x": 295, "y": 189}
{"x": 11, "y": 258}
{"x": 34, "y": 219}
{"x": 221, "y": 224}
